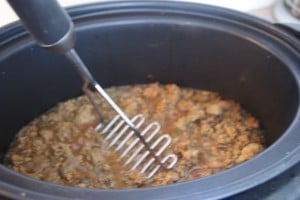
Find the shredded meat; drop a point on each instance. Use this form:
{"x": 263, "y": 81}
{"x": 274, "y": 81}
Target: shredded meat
{"x": 209, "y": 134}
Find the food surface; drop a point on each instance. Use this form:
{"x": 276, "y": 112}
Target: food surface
{"x": 209, "y": 135}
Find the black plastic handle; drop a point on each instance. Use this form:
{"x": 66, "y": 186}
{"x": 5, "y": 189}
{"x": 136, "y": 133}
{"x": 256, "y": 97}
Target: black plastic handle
{"x": 47, "y": 22}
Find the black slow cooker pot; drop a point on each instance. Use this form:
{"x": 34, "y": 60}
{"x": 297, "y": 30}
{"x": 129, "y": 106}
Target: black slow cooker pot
{"x": 192, "y": 45}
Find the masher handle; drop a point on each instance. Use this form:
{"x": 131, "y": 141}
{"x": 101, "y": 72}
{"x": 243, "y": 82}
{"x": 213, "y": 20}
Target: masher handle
{"x": 48, "y": 23}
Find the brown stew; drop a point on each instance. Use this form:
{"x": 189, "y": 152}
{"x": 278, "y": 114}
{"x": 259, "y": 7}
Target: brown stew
{"x": 209, "y": 134}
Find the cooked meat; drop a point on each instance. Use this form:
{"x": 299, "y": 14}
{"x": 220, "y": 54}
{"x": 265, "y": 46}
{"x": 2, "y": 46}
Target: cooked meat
{"x": 209, "y": 134}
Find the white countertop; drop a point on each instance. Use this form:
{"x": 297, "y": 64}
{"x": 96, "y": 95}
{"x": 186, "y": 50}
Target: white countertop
{"x": 261, "y": 8}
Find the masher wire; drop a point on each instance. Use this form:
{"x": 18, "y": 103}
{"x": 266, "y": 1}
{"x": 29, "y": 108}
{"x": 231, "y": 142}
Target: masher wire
{"x": 88, "y": 78}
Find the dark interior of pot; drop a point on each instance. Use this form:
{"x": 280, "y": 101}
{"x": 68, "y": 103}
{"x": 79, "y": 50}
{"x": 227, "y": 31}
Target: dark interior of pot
{"x": 235, "y": 64}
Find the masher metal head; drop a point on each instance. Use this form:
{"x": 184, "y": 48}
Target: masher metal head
{"x": 121, "y": 138}
{"x": 120, "y": 130}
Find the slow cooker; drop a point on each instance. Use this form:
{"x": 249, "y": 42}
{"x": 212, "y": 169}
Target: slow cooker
{"x": 243, "y": 58}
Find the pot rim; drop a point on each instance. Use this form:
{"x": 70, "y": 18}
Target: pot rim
{"x": 220, "y": 185}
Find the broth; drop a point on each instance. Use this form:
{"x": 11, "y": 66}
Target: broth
{"x": 209, "y": 135}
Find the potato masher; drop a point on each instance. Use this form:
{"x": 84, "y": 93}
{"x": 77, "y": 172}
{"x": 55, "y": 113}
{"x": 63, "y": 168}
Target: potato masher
{"x": 52, "y": 28}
